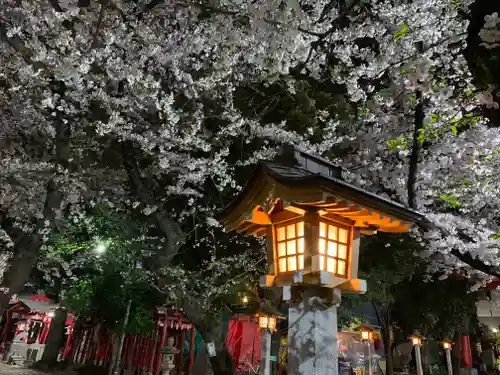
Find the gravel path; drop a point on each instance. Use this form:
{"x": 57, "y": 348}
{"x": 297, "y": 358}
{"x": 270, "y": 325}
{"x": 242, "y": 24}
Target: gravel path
{"x": 19, "y": 370}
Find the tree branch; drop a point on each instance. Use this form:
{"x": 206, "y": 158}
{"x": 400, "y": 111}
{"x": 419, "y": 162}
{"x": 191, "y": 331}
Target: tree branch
{"x": 171, "y": 229}
{"x": 415, "y": 151}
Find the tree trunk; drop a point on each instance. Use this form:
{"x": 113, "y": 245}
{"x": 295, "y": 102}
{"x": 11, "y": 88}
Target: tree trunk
{"x": 19, "y": 267}
{"x": 385, "y": 322}
{"x": 213, "y": 332}
{"x": 27, "y": 244}
{"x": 389, "y": 363}
{"x": 55, "y": 340}
{"x": 222, "y": 363}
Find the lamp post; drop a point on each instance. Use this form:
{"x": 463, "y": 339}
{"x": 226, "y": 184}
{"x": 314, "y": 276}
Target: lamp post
{"x": 367, "y": 337}
{"x": 447, "y": 350}
{"x": 267, "y": 325}
{"x": 312, "y": 220}
{"x": 416, "y": 341}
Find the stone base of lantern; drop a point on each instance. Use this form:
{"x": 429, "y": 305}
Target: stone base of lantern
{"x": 312, "y": 331}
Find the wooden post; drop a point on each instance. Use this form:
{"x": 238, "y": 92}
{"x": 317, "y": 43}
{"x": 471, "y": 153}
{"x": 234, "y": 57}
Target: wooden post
{"x": 123, "y": 354}
{"x": 135, "y": 354}
{"x": 41, "y": 334}
{"x": 145, "y": 353}
{"x": 163, "y": 338}
{"x": 109, "y": 349}
{"x": 133, "y": 351}
{"x": 67, "y": 346}
{"x": 83, "y": 344}
{"x": 88, "y": 345}
{"x": 192, "y": 335}
{"x": 153, "y": 352}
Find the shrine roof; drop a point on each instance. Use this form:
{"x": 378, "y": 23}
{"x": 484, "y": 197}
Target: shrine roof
{"x": 35, "y": 306}
{"x": 313, "y": 183}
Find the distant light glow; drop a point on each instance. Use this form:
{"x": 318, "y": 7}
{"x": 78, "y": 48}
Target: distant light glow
{"x": 244, "y": 299}
{"x": 51, "y": 314}
{"x": 101, "y": 248}
{"x": 416, "y": 340}
{"x": 494, "y": 330}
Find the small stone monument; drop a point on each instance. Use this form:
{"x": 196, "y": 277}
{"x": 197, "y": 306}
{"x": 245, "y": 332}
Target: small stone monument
{"x": 169, "y": 353}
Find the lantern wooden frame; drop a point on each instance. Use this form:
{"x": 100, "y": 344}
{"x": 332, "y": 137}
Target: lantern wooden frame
{"x": 299, "y": 245}
{"x": 267, "y": 322}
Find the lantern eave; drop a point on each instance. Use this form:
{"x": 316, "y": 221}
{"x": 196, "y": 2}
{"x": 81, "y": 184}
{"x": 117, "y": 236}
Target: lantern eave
{"x": 301, "y": 190}
{"x": 323, "y": 278}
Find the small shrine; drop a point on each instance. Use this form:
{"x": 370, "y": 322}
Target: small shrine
{"x": 25, "y": 328}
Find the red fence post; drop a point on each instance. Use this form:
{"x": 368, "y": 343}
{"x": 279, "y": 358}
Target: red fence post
{"x": 153, "y": 352}
{"x": 191, "y": 350}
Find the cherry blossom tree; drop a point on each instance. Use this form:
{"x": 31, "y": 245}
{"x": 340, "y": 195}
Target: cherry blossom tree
{"x": 164, "y": 107}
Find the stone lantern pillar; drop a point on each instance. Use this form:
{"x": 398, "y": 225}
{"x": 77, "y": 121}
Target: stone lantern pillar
{"x": 169, "y": 353}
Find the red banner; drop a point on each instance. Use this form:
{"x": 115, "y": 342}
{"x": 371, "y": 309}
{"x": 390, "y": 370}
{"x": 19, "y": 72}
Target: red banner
{"x": 466, "y": 352}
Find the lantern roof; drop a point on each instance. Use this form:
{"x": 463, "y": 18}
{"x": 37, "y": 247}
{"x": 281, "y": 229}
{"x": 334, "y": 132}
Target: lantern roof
{"x": 278, "y": 192}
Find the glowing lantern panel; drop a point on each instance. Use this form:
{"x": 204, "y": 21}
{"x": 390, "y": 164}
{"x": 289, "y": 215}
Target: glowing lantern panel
{"x": 290, "y": 245}
{"x": 267, "y": 323}
{"x": 366, "y": 335}
{"x": 333, "y": 248}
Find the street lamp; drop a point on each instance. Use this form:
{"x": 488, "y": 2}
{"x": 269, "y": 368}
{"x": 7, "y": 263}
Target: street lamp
{"x": 447, "y": 345}
{"x": 416, "y": 341}
{"x": 267, "y": 323}
{"x": 267, "y": 326}
{"x": 367, "y": 337}
{"x": 312, "y": 221}
{"x": 101, "y": 247}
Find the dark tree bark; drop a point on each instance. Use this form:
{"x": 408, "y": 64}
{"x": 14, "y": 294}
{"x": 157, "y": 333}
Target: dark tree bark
{"x": 483, "y": 62}
{"x": 415, "y": 151}
{"x": 213, "y": 333}
{"x": 384, "y": 318}
{"x": 55, "y": 340}
{"x": 27, "y": 245}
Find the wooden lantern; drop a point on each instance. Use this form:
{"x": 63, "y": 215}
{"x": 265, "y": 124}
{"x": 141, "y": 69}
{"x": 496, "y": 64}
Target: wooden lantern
{"x": 267, "y": 322}
{"x": 416, "y": 341}
{"x": 366, "y": 332}
{"x": 312, "y": 220}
